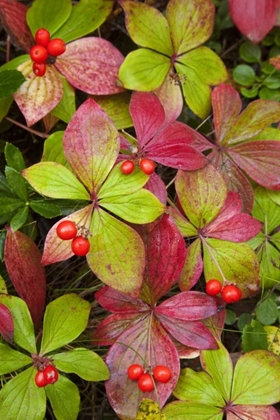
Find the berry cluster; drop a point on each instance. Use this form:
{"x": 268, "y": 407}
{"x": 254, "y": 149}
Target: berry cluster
{"x": 146, "y": 165}
{"x": 67, "y": 230}
{"x": 230, "y": 292}
{"x": 45, "y": 47}
{"x": 46, "y": 376}
{"x": 146, "y": 380}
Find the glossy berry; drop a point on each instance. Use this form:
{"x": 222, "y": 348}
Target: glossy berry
{"x": 38, "y": 54}
{"x": 231, "y": 293}
{"x": 162, "y": 373}
{"x": 50, "y": 374}
{"x": 213, "y": 287}
{"x": 39, "y": 69}
{"x": 80, "y": 246}
{"x": 146, "y": 383}
{"x": 127, "y": 167}
{"x": 66, "y": 230}
{"x": 40, "y": 380}
{"x": 56, "y": 47}
{"x": 42, "y": 37}
{"x": 134, "y": 372}
{"x": 147, "y": 166}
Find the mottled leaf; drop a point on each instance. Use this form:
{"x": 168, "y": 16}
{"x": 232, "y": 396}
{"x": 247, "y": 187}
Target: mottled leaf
{"x": 109, "y": 330}
{"x": 149, "y": 410}
{"x": 256, "y": 412}
{"x": 115, "y": 301}
{"x": 192, "y": 268}
{"x": 6, "y": 324}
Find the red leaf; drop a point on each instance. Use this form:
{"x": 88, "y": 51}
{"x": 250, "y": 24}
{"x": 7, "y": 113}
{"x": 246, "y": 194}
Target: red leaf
{"x": 254, "y": 18}
{"x": 192, "y": 268}
{"x": 13, "y": 17}
{"x": 23, "y": 263}
{"x": 6, "y": 324}
{"x": 115, "y": 301}
{"x": 148, "y": 347}
{"x": 156, "y": 186}
{"x": 255, "y": 412}
{"x": 91, "y": 65}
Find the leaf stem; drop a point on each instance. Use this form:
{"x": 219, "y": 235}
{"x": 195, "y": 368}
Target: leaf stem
{"x": 37, "y": 133}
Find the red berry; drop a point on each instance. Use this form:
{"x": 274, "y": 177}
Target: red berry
{"x": 231, "y": 293}
{"x": 134, "y": 372}
{"x": 147, "y": 166}
{"x": 40, "y": 380}
{"x": 42, "y": 37}
{"x": 56, "y": 47}
{"x": 213, "y": 287}
{"x": 80, "y": 246}
{"x": 127, "y": 167}
{"x": 50, "y": 374}
{"x": 162, "y": 373}
{"x": 146, "y": 383}
{"x": 66, "y": 230}
{"x": 38, "y": 54}
{"x": 39, "y": 69}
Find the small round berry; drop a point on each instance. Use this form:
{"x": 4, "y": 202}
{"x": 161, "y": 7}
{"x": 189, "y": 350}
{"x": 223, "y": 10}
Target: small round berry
{"x": 213, "y": 287}
{"x": 66, "y": 230}
{"x": 134, "y": 372}
{"x": 56, "y": 47}
{"x": 127, "y": 167}
{"x": 147, "y": 166}
{"x": 40, "y": 380}
{"x": 231, "y": 293}
{"x": 42, "y": 37}
{"x": 38, "y": 54}
{"x": 80, "y": 246}
{"x": 39, "y": 69}
{"x": 50, "y": 374}
{"x": 146, "y": 383}
{"x": 162, "y": 373}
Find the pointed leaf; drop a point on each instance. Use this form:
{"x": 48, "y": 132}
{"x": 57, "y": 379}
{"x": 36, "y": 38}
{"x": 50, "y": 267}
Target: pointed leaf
{"x": 20, "y": 398}
{"x": 157, "y": 187}
{"x": 23, "y": 326}
{"x": 38, "y": 95}
{"x": 192, "y": 411}
{"x": 117, "y": 108}
{"x": 192, "y": 268}
{"x": 64, "y": 398}
{"x": 84, "y": 363}
{"x": 123, "y": 394}
{"x": 116, "y": 253}
{"x": 91, "y": 144}
{"x": 17, "y": 183}
{"x": 260, "y": 160}
{"x": 256, "y": 379}
{"x": 10, "y": 82}
{"x": 99, "y": 62}
{"x": 115, "y": 301}
{"x": 256, "y": 412}
{"x": 266, "y": 210}
{"x": 14, "y": 157}
{"x": 12, "y": 360}
{"x": 54, "y": 180}
{"x": 143, "y": 70}
{"x": 65, "y": 319}
{"x": 66, "y": 108}
{"x": 191, "y": 23}
{"x": 23, "y": 262}
{"x": 185, "y": 227}
{"x": 6, "y": 324}
{"x": 170, "y": 96}
{"x": 202, "y": 194}
{"x": 147, "y": 27}
{"x": 53, "y": 150}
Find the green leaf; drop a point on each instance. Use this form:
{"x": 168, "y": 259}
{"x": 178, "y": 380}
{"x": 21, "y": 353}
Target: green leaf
{"x": 21, "y": 399}
{"x": 117, "y": 107}
{"x": 53, "y": 150}
{"x": 8, "y": 206}
{"x": 19, "y": 219}
{"x": 143, "y": 70}
{"x": 267, "y": 311}
{"x": 10, "y": 81}
{"x": 185, "y": 227}
{"x": 54, "y": 180}
{"x": 268, "y": 256}
{"x": 14, "y": 157}
{"x": 272, "y": 82}
{"x": 230, "y": 317}
{"x": 147, "y": 27}
{"x": 269, "y": 94}
{"x": 116, "y": 253}
{"x": 256, "y": 379}
{"x": 197, "y": 387}
{"x": 202, "y": 194}
{"x": 193, "y": 266}
{"x": 48, "y": 14}
{"x": 65, "y": 319}
{"x": 244, "y": 75}
{"x": 85, "y": 17}
{"x": 17, "y": 183}
{"x": 250, "y": 93}
{"x": 5, "y": 104}
{"x": 251, "y": 53}
{"x": 3, "y": 287}
{"x": 191, "y": 411}
{"x": 64, "y": 398}
{"x": 23, "y": 326}
{"x": 244, "y": 320}
{"x": 5, "y": 190}
{"x": 266, "y": 210}
{"x": 66, "y": 107}
{"x": 45, "y": 209}
{"x": 274, "y": 195}
{"x": 11, "y": 360}
{"x": 254, "y": 337}
{"x": 218, "y": 364}
{"x": 84, "y": 363}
